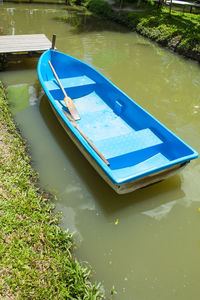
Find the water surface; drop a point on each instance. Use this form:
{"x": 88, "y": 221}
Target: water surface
{"x": 145, "y": 243}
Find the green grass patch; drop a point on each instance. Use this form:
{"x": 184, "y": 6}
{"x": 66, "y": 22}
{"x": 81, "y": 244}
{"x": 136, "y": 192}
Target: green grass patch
{"x": 36, "y": 260}
{"x": 164, "y": 28}
{"x": 100, "y": 8}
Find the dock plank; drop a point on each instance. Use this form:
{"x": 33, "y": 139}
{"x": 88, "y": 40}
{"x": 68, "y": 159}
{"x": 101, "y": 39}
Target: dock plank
{"x": 24, "y": 43}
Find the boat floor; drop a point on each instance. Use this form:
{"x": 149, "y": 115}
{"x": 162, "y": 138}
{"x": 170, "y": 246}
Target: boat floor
{"x": 129, "y": 151}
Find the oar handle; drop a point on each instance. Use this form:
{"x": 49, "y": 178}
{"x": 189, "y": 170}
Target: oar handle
{"x": 75, "y": 124}
{"x": 55, "y": 74}
{"x": 67, "y": 100}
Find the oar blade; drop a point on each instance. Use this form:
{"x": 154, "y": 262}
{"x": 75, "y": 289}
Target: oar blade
{"x": 72, "y": 109}
{"x": 70, "y": 118}
{"x": 70, "y": 105}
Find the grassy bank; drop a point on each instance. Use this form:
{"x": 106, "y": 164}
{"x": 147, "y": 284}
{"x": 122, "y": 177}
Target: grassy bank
{"x": 36, "y": 260}
{"x": 178, "y": 31}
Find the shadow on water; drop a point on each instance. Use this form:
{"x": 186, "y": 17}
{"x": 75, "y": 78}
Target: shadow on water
{"x": 83, "y": 23}
{"x": 22, "y": 65}
{"x": 166, "y": 191}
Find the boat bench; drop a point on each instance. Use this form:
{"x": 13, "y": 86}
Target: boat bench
{"x": 127, "y": 143}
{"x": 69, "y": 82}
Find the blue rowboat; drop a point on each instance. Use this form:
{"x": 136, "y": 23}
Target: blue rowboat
{"x": 128, "y": 147}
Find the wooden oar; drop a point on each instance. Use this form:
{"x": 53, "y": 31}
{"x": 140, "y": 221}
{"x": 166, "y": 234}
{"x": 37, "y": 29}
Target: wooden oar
{"x": 70, "y": 105}
{"x": 74, "y": 123}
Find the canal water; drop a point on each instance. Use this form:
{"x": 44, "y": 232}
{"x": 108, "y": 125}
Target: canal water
{"x": 146, "y": 244}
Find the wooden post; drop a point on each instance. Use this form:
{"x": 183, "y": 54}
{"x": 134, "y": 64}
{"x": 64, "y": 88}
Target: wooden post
{"x": 170, "y": 7}
{"x": 53, "y": 41}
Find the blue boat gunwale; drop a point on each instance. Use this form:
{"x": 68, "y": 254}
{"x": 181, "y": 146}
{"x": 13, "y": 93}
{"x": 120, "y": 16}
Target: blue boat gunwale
{"x": 84, "y": 143}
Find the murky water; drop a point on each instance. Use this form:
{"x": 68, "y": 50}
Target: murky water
{"x": 146, "y": 243}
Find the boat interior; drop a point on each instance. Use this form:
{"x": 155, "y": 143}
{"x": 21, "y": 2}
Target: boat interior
{"x": 126, "y": 135}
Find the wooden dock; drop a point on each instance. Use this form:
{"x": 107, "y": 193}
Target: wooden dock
{"x": 183, "y": 3}
{"x": 28, "y": 45}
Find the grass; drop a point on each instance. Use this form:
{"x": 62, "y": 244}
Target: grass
{"x": 36, "y": 260}
{"x": 179, "y": 29}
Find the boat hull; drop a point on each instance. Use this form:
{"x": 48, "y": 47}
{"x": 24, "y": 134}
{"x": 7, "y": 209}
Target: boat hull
{"x": 126, "y": 145}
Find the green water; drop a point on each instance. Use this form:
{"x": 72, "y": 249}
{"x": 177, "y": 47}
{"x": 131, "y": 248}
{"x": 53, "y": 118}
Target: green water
{"x": 147, "y": 243}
